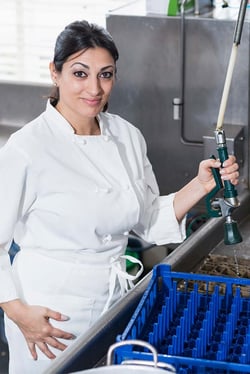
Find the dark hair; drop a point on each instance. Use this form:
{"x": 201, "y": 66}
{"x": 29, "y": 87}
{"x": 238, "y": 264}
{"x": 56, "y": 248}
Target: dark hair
{"x": 78, "y": 36}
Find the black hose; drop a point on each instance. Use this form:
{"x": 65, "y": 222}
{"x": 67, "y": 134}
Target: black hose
{"x": 240, "y": 22}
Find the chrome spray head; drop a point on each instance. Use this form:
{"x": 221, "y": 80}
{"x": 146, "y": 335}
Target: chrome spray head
{"x": 231, "y": 232}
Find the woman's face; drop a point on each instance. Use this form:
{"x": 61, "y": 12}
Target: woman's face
{"x": 85, "y": 83}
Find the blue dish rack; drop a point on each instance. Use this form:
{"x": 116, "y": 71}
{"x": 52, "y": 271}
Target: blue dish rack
{"x": 198, "y": 323}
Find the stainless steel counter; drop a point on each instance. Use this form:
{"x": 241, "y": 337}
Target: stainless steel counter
{"x": 90, "y": 349}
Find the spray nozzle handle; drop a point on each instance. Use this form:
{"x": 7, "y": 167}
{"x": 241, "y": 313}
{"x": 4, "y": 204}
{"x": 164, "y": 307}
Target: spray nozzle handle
{"x": 213, "y": 206}
{"x": 223, "y": 207}
{"x": 218, "y": 207}
{"x": 230, "y": 193}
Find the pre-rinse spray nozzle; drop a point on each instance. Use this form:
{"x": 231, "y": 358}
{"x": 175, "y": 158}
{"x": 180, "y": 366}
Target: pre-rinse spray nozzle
{"x": 224, "y": 206}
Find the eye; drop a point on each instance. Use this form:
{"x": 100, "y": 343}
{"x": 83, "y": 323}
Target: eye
{"x": 80, "y": 74}
{"x": 106, "y": 74}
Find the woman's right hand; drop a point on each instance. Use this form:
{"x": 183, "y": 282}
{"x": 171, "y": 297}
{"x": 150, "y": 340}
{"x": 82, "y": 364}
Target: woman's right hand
{"x": 34, "y": 322}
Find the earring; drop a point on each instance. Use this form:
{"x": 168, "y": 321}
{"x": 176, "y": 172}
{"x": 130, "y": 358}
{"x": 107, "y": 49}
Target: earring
{"x": 55, "y": 84}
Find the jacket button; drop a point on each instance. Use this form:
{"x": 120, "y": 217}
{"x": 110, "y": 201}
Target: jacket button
{"x": 106, "y": 138}
{"x": 106, "y": 238}
{"x": 103, "y": 189}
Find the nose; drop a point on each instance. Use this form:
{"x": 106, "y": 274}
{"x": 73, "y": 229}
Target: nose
{"x": 94, "y": 87}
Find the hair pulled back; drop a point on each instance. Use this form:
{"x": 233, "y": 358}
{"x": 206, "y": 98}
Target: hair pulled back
{"x": 81, "y": 35}
{"x": 76, "y": 37}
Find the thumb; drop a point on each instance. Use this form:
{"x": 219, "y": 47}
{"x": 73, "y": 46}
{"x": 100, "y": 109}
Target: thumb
{"x": 56, "y": 315}
{"x": 215, "y": 163}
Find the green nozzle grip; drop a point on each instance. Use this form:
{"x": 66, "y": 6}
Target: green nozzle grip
{"x": 229, "y": 189}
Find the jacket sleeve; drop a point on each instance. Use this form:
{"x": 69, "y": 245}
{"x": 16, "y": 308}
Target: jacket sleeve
{"x": 158, "y": 223}
{"x": 15, "y": 198}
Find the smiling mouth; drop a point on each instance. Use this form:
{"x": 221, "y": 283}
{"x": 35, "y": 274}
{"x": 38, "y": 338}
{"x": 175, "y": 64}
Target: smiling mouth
{"x": 92, "y": 102}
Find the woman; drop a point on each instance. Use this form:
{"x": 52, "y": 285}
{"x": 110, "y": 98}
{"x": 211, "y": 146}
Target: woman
{"x": 74, "y": 182}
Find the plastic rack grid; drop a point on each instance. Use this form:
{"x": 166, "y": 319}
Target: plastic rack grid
{"x": 198, "y": 323}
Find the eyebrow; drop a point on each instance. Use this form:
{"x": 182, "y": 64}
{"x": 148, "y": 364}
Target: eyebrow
{"x": 87, "y": 67}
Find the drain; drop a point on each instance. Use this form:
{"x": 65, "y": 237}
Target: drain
{"x": 225, "y": 265}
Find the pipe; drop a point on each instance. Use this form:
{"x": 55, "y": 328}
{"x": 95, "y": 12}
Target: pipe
{"x": 178, "y": 103}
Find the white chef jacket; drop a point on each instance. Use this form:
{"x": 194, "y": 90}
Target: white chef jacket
{"x": 62, "y": 191}
{"x": 70, "y": 201}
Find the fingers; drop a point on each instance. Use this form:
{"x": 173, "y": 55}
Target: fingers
{"x": 229, "y": 173}
{"x": 50, "y": 314}
{"x": 47, "y": 336}
{"x": 50, "y": 342}
{"x": 57, "y": 333}
{"x": 49, "y": 331}
{"x": 217, "y": 163}
{"x": 55, "y": 343}
{"x": 230, "y": 170}
{"x": 231, "y": 160}
{"x": 32, "y": 349}
{"x": 44, "y": 347}
{"x": 56, "y": 315}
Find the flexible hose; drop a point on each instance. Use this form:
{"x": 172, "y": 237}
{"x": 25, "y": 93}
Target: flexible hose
{"x": 226, "y": 89}
{"x": 232, "y": 60}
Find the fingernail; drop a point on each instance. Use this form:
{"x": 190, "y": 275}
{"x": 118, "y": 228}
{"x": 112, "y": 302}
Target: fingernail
{"x": 64, "y": 318}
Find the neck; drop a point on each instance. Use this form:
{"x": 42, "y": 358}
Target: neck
{"x": 92, "y": 128}
{"x": 87, "y": 126}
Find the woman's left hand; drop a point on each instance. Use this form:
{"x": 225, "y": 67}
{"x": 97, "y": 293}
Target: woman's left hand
{"x": 228, "y": 171}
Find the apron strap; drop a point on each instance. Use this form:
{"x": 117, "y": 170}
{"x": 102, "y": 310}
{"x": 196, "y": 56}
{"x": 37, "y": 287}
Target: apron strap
{"x": 125, "y": 279}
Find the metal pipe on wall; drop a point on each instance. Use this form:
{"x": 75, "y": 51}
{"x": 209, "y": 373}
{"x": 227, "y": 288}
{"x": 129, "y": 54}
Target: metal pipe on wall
{"x": 178, "y": 103}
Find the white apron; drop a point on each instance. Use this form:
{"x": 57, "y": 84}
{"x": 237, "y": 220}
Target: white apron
{"x": 80, "y": 286}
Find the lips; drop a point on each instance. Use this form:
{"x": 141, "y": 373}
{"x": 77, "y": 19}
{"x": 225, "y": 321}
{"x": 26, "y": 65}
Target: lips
{"x": 92, "y": 102}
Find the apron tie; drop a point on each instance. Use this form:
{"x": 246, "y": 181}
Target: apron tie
{"x": 125, "y": 279}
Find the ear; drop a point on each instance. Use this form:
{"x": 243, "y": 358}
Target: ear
{"x": 53, "y": 72}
